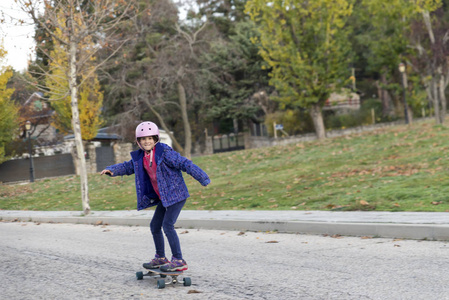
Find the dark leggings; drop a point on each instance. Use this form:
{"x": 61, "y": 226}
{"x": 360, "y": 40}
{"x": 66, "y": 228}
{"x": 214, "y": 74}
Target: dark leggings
{"x": 165, "y": 217}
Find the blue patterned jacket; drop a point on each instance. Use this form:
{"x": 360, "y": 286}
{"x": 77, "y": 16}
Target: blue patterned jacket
{"x": 172, "y": 187}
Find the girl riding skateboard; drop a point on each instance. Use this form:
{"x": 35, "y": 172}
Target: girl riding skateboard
{"x": 159, "y": 182}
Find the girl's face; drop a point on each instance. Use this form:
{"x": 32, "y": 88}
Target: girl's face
{"x": 147, "y": 142}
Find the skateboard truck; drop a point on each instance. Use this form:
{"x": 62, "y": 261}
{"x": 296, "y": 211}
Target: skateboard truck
{"x": 186, "y": 281}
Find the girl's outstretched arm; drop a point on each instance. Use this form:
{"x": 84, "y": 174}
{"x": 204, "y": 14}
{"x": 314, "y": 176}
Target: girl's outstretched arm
{"x": 125, "y": 168}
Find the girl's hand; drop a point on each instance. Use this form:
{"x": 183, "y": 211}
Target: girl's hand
{"x": 107, "y": 172}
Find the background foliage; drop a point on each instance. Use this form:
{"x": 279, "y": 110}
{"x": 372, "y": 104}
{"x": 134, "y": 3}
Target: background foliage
{"x": 245, "y": 62}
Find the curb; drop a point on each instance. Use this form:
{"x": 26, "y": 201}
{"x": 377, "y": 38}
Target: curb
{"x": 406, "y": 231}
{"x": 433, "y": 232}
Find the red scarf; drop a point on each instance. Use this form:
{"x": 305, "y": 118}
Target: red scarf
{"x": 149, "y": 163}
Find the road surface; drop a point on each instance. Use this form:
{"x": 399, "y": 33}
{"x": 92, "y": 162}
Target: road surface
{"x": 68, "y": 261}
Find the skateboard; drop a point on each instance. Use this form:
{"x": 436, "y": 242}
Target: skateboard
{"x": 161, "y": 282}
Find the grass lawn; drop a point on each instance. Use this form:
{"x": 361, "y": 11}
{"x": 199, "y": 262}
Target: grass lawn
{"x": 402, "y": 168}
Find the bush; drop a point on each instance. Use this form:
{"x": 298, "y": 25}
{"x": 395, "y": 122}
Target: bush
{"x": 294, "y": 122}
{"x": 363, "y": 116}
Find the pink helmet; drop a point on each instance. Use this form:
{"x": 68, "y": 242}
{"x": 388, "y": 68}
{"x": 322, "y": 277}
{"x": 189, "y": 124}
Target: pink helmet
{"x": 146, "y": 129}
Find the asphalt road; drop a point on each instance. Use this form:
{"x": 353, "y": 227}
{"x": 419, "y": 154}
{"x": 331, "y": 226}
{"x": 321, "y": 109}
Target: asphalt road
{"x": 67, "y": 261}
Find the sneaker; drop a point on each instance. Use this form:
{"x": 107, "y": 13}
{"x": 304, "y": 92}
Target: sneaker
{"x": 156, "y": 262}
{"x": 175, "y": 265}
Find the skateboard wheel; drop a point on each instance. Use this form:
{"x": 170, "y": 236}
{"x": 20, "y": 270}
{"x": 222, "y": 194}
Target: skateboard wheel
{"x": 160, "y": 283}
{"x": 139, "y": 275}
{"x": 187, "y": 281}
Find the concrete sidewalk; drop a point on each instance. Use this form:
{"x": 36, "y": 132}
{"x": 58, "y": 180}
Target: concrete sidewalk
{"x": 409, "y": 225}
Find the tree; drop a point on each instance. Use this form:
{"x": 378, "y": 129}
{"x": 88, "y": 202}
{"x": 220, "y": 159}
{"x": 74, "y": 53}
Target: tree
{"x": 90, "y": 96}
{"x": 305, "y": 43}
{"x": 429, "y": 39}
{"x": 133, "y": 88}
{"x": 178, "y": 67}
{"x": 160, "y": 73}
{"x": 380, "y": 35}
{"x": 78, "y": 21}
{"x": 237, "y": 79}
{"x": 224, "y": 14}
{"x": 409, "y": 31}
{"x": 8, "y": 110}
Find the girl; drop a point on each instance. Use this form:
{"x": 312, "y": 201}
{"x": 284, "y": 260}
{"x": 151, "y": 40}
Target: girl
{"x": 159, "y": 182}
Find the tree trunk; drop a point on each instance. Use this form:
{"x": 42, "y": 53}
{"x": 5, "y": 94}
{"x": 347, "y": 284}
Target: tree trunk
{"x": 176, "y": 145}
{"x": 76, "y": 126}
{"x": 407, "y": 108}
{"x": 437, "y": 84}
{"x": 317, "y": 117}
{"x": 409, "y": 114}
{"x": 436, "y": 100}
{"x": 428, "y": 87}
{"x": 442, "y": 94}
{"x": 185, "y": 120}
{"x": 385, "y": 98}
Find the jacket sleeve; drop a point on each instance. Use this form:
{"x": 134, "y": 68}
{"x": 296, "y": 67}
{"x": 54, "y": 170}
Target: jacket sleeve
{"x": 125, "y": 168}
{"x": 175, "y": 160}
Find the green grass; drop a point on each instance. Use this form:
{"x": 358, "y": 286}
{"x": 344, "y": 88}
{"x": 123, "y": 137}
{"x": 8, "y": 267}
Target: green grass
{"x": 396, "y": 169}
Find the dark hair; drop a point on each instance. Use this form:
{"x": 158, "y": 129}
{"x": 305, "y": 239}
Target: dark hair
{"x": 154, "y": 137}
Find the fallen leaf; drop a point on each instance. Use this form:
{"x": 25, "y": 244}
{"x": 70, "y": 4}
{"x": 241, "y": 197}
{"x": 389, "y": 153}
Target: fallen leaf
{"x": 185, "y": 231}
{"x": 363, "y": 202}
{"x": 194, "y": 292}
{"x": 336, "y": 236}
{"x": 241, "y": 233}
{"x": 366, "y": 237}
{"x": 272, "y": 242}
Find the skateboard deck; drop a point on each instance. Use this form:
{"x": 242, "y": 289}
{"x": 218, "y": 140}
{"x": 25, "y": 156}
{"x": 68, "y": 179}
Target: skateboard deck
{"x": 186, "y": 281}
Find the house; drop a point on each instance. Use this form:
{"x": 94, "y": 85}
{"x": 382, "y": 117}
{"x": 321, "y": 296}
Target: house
{"x": 37, "y": 110}
{"x": 343, "y": 102}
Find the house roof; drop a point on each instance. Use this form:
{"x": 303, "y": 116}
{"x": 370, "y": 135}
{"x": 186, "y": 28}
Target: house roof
{"x": 102, "y": 135}
{"x": 39, "y": 95}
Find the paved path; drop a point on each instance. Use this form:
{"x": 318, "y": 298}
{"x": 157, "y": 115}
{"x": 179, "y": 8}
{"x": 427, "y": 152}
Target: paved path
{"x": 411, "y": 225}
